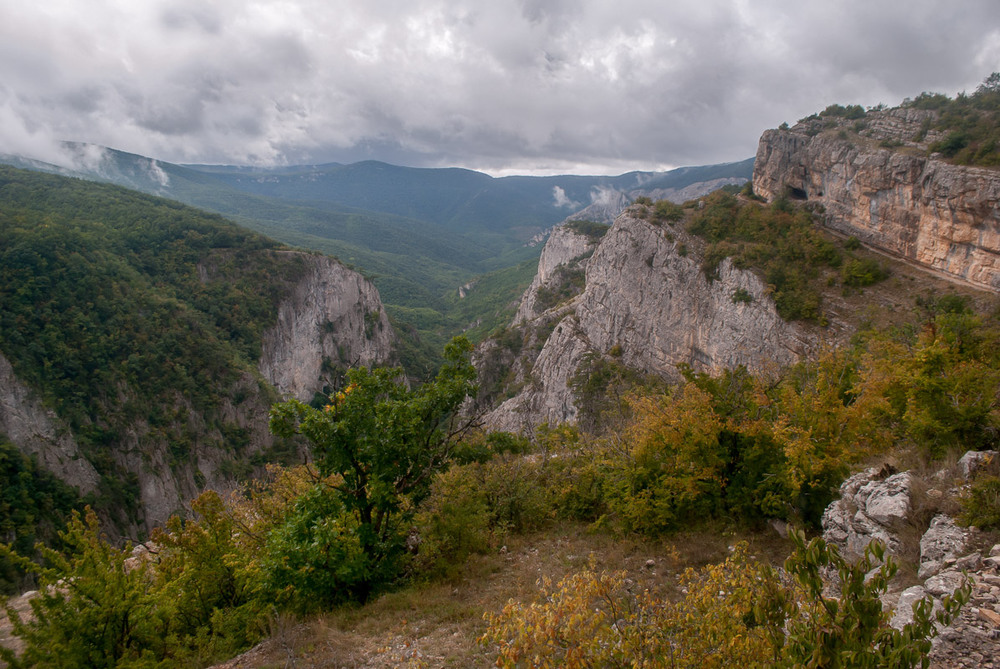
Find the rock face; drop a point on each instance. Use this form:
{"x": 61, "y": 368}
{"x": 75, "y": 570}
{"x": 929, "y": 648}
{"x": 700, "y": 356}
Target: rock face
{"x": 872, "y": 506}
{"x": 647, "y": 303}
{"x": 564, "y": 248}
{"x": 879, "y": 504}
{"x": 944, "y": 217}
{"x": 38, "y": 432}
{"x": 333, "y": 315}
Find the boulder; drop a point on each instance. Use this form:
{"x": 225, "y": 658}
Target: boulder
{"x": 904, "y": 607}
{"x": 973, "y": 461}
{"x": 943, "y": 541}
{"x": 873, "y": 505}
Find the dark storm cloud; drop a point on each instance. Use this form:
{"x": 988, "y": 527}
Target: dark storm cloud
{"x": 511, "y": 85}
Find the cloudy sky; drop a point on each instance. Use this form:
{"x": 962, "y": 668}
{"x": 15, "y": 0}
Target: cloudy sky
{"x": 504, "y": 86}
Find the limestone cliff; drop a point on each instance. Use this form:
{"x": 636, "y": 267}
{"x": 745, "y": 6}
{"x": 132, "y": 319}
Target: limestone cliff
{"x": 334, "y": 315}
{"x": 647, "y": 301}
{"x": 330, "y": 317}
{"x": 876, "y": 183}
{"x": 38, "y": 432}
{"x": 566, "y": 248}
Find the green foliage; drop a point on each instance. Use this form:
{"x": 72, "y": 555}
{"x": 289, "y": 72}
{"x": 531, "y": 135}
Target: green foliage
{"x": 119, "y": 307}
{"x": 566, "y": 282}
{"x": 189, "y": 603}
{"x": 315, "y": 558}
{"x": 203, "y": 591}
{"x": 385, "y": 442}
{"x": 667, "y": 211}
{"x": 849, "y": 112}
{"x": 91, "y": 611}
{"x": 34, "y": 505}
{"x": 474, "y": 506}
{"x": 742, "y": 296}
{"x": 859, "y": 272}
{"x": 981, "y": 504}
{"x": 590, "y": 229}
{"x": 600, "y": 387}
{"x": 780, "y": 241}
{"x": 490, "y": 304}
{"x": 970, "y": 123}
{"x": 853, "y": 630}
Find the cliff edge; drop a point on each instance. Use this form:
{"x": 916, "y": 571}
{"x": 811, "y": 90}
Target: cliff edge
{"x": 877, "y": 183}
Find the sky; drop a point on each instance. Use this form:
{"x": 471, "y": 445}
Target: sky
{"x": 502, "y": 86}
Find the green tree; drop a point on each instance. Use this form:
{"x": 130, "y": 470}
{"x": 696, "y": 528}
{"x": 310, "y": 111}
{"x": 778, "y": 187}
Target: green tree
{"x": 385, "y": 442}
{"x": 93, "y": 608}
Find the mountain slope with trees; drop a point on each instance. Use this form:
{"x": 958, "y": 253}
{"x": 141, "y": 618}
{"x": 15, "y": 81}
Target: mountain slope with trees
{"x": 139, "y": 323}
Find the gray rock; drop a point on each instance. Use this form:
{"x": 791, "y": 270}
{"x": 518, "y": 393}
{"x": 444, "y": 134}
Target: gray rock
{"x": 38, "y": 432}
{"x": 887, "y": 502}
{"x": 903, "y": 614}
{"x": 972, "y": 461}
{"x": 646, "y": 297}
{"x": 870, "y": 508}
{"x": 970, "y": 562}
{"x": 945, "y": 583}
{"x": 943, "y": 540}
{"x": 333, "y": 313}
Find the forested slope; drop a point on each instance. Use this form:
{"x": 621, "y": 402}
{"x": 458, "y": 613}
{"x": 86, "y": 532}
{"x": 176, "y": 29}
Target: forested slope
{"x": 139, "y": 322}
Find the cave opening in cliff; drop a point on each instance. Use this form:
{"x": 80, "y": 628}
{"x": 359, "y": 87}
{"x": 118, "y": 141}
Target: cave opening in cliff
{"x": 795, "y": 193}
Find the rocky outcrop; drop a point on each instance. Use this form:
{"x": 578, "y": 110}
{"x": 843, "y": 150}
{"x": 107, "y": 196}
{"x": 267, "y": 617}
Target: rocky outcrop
{"x": 880, "y": 504}
{"x": 873, "y": 505}
{"x": 941, "y": 216}
{"x": 647, "y": 300}
{"x": 333, "y": 318}
{"x": 647, "y": 294}
{"x": 38, "y": 432}
{"x": 565, "y": 248}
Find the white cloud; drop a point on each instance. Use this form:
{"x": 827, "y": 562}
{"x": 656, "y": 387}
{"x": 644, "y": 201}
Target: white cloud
{"x": 506, "y": 86}
{"x": 561, "y": 200}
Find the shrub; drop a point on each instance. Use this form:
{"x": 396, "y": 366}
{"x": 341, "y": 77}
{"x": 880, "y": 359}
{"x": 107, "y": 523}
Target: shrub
{"x": 590, "y": 229}
{"x": 735, "y": 614}
{"x": 859, "y": 272}
{"x": 385, "y": 442}
{"x": 665, "y": 210}
{"x": 597, "y": 619}
{"x": 981, "y": 505}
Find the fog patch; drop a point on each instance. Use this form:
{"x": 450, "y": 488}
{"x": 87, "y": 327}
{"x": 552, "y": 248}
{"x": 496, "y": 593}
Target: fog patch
{"x": 562, "y": 200}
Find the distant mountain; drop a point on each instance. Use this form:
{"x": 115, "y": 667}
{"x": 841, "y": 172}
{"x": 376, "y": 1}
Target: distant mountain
{"x": 419, "y": 234}
{"x": 459, "y": 199}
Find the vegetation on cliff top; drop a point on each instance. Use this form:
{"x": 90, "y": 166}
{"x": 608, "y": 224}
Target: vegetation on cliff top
{"x": 783, "y": 242}
{"x": 971, "y": 123}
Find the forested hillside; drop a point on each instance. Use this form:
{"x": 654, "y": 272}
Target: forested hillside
{"x": 139, "y": 322}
